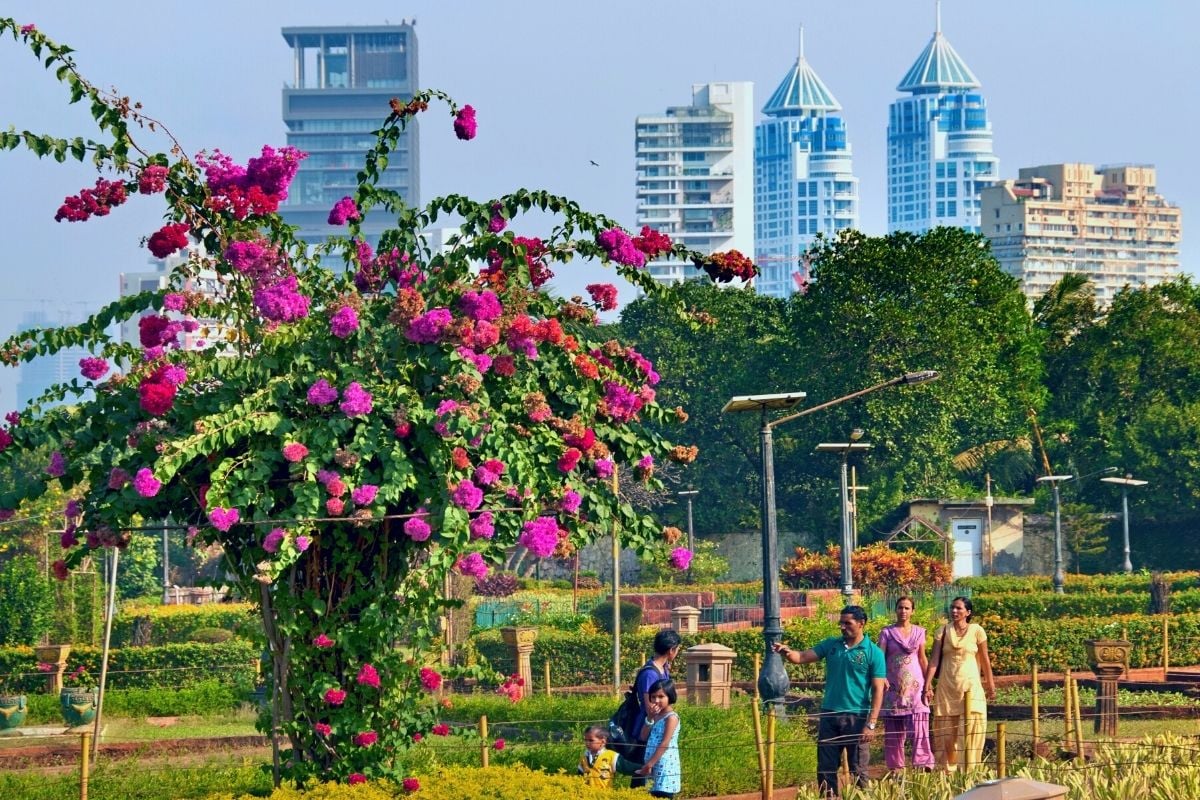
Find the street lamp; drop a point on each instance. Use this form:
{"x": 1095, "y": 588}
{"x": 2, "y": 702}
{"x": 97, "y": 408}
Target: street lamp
{"x": 1054, "y": 480}
{"x": 1125, "y": 483}
{"x": 773, "y": 679}
{"x": 846, "y": 448}
{"x": 689, "y": 494}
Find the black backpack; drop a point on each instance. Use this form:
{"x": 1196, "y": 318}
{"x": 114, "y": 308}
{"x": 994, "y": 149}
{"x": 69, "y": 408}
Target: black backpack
{"x": 622, "y": 739}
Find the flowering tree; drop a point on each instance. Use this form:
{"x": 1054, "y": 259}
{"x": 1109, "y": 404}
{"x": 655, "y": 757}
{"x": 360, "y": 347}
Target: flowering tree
{"x": 348, "y": 437}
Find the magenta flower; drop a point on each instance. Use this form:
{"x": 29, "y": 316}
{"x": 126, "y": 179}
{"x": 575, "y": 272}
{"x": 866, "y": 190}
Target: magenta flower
{"x": 489, "y": 472}
{"x": 604, "y": 295}
{"x": 335, "y": 485}
{"x": 483, "y": 305}
{"x": 302, "y": 543}
{"x": 68, "y": 539}
{"x": 482, "y": 526}
{"x": 440, "y": 729}
{"x": 93, "y": 368}
{"x": 174, "y": 301}
{"x": 603, "y": 467}
{"x": 366, "y": 738}
{"x": 294, "y": 452}
{"x": 411, "y": 784}
{"x": 335, "y": 697}
{"x": 356, "y": 401}
{"x": 117, "y": 478}
{"x": 498, "y": 744}
{"x": 647, "y": 462}
{"x": 344, "y": 209}
{"x": 223, "y": 518}
{"x": 273, "y": 539}
{"x": 368, "y": 676}
{"x": 431, "y": 680}
{"x": 356, "y": 777}
{"x": 680, "y": 558}
{"x": 568, "y": 460}
{"x": 57, "y": 466}
{"x": 145, "y": 483}
{"x": 417, "y": 528}
{"x": 152, "y": 179}
{"x": 571, "y": 501}
{"x": 540, "y": 536}
{"x": 335, "y": 506}
{"x": 28, "y": 29}
{"x": 343, "y": 322}
{"x": 445, "y": 407}
{"x": 167, "y": 239}
{"x": 464, "y": 123}
{"x": 174, "y": 374}
{"x": 472, "y": 564}
{"x": 620, "y": 402}
{"x": 364, "y": 495}
{"x": 322, "y": 642}
{"x": 323, "y": 728}
{"x": 321, "y": 393}
{"x": 281, "y": 301}
{"x": 467, "y": 495}
{"x": 620, "y": 247}
{"x": 428, "y": 327}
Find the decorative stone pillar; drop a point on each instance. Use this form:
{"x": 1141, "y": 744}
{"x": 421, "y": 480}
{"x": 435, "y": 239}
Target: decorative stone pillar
{"x": 521, "y": 641}
{"x": 56, "y": 656}
{"x": 1107, "y": 658}
{"x": 709, "y": 674}
{"x": 685, "y": 619}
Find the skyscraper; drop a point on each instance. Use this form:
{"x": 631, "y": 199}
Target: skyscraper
{"x": 41, "y": 373}
{"x": 1108, "y": 223}
{"x": 343, "y": 78}
{"x": 804, "y": 182}
{"x": 939, "y": 143}
{"x": 695, "y": 174}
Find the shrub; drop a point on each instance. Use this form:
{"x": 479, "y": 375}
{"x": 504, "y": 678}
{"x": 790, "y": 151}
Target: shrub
{"x": 175, "y": 624}
{"x": 498, "y": 584}
{"x": 706, "y": 566}
{"x": 602, "y": 615}
{"x": 875, "y": 568}
{"x": 210, "y": 635}
{"x": 1048, "y": 605}
{"x": 589, "y": 582}
{"x": 26, "y": 602}
{"x": 1138, "y": 582}
{"x": 207, "y": 697}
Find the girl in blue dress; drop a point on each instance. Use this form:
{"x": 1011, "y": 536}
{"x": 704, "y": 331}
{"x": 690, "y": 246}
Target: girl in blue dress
{"x": 662, "y": 745}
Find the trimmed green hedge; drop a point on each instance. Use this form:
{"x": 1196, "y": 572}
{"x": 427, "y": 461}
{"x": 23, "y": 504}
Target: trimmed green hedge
{"x": 1048, "y": 605}
{"x": 233, "y": 663}
{"x": 208, "y": 697}
{"x": 1138, "y": 582}
{"x": 1015, "y": 644}
{"x": 176, "y": 624}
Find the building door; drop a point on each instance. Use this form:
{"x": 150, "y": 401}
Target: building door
{"x": 968, "y": 547}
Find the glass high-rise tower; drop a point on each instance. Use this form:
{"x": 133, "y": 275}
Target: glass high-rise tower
{"x": 343, "y": 79}
{"x": 804, "y": 182}
{"x": 939, "y": 143}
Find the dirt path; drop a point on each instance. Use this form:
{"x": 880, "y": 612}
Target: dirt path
{"x": 62, "y": 755}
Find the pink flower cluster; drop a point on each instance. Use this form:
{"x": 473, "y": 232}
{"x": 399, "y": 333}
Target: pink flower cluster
{"x": 429, "y": 327}
{"x": 472, "y": 564}
{"x": 512, "y": 688}
{"x": 430, "y": 679}
{"x": 223, "y": 518}
{"x": 145, "y": 483}
{"x": 343, "y": 322}
{"x": 467, "y": 495}
{"x": 619, "y": 402}
{"x": 620, "y": 248}
{"x": 321, "y": 393}
{"x": 364, "y": 495}
{"x": 416, "y": 528}
{"x": 93, "y": 368}
{"x": 257, "y": 188}
{"x": 482, "y": 526}
{"x": 57, "y": 466}
{"x": 322, "y": 642}
{"x": 464, "y": 123}
{"x": 273, "y": 539}
{"x": 651, "y": 242}
{"x": 484, "y": 305}
{"x": 156, "y": 393}
{"x": 368, "y": 676}
{"x": 97, "y": 202}
{"x": 294, "y": 452}
{"x": 680, "y": 558}
{"x": 489, "y": 472}
{"x": 540, "y": 536}
{"x": 603, "y": 295}
{"x": 366, "y": 738}
{"x": 152, "y": 179}
{"x": 356, "y": 401}
{"x": 335, "y": 697}
{"x": 281, "y": 301}
{"x": 343, "y": 210}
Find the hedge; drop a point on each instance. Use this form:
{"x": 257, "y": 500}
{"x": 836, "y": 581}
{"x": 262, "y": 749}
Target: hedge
{"x": 1139, "y": 582}
{"x": 175, "y": 624}
{"x": 1048, "y": 605}
{"x": 233, "y": 663}
{"x": 206, "y": 698}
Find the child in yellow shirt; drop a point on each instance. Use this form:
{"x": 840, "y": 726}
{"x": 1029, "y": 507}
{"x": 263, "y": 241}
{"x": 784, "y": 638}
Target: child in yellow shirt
{"x": 598, "y": 764}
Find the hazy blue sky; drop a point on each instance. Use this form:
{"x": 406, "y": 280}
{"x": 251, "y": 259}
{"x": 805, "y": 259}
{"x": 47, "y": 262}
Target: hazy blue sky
{"x": 557, "y": 84}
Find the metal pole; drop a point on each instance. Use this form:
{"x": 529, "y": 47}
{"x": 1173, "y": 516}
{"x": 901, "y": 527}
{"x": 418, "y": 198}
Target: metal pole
{"x": 773, "y": 680}
{"x": 852, "y": 506}
{"x": 692, "y": 540}
{"x": 847, "y": 536}
{"x": 1128, "y": 566}
{"x": 616, "y": 586}
{"x": 108, "y": 621}
{"x": 1058, "y": 544}
{"x": 166, "y": 566}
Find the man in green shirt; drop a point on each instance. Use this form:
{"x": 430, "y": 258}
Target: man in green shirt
{"x": 855, "y": 677}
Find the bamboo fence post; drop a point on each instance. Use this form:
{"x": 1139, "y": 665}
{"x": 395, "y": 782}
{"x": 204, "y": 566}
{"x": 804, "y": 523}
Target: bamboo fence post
{"x": 547, "y": 666}
{"x": 1001, "y": 756}
{"x": 968, "y": 751}
{"x": 483, "y": 740}
{"x": 758, "y": 732}
{"x": 771, "y": 711}
{"x": 1166, "y": 647}
{"x": 1078, "y": 720}
{"x": 85, "y": 750}
{"x": 1068, "y": 716}
{"x": 1036, "y": 721}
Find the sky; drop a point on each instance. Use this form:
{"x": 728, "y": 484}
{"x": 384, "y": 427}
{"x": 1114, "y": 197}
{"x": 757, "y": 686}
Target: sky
{"x": 558, "y": 84}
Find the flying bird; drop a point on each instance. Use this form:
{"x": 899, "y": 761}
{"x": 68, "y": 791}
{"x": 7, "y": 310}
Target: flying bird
{"x": 593, "y": 163}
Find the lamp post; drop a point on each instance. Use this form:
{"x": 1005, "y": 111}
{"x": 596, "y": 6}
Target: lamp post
{"x": 773, "y": 679}
{"x": 846, "y": 448}
{"x": 1125, "y": 483}
{"x": 1054, "y": 480}
{"x": 689, "y": 494}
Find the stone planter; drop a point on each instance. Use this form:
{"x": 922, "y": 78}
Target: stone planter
{"x": 1107, "y": 654}
{"x": 56, "y": 656}
{"x": 78, "y": 705}
{"x": 12, "y": 710}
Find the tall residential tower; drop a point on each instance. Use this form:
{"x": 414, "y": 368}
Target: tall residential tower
{"x": 695, "y": 174}
{"x": 939, "y": 143}
{"x": 343, "y": 78}
{"x": 804, "y": 182}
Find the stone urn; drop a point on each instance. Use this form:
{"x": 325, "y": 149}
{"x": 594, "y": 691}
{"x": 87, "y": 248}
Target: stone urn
{"x": 78, "y": 705}
{"x": 1105, "y": 655}
{"x": 13, "y": 708}
{"x": 56, "y": 656}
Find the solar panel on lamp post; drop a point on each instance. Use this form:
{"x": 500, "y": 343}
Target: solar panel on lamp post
{"x": 1125, "y": 483}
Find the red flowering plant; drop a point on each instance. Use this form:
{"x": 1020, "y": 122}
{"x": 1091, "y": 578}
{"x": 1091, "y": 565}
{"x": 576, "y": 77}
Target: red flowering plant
{"x": 354, "y": 436}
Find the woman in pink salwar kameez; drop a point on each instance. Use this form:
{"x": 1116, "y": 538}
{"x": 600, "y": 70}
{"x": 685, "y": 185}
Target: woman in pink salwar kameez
{"x": 905, "y": 712}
